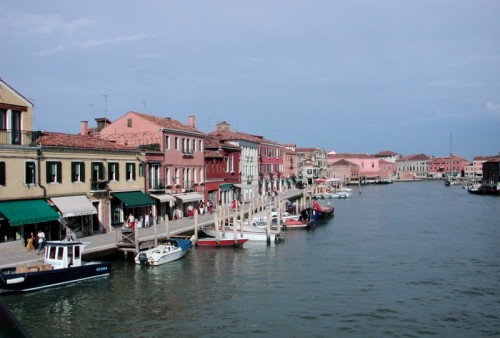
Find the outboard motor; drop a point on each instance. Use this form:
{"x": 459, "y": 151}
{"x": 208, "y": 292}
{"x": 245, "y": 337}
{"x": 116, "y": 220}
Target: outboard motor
{"x": 143, "y": 258}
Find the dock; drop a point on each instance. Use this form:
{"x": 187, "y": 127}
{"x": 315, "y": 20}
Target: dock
{"x": 14, "y": 253}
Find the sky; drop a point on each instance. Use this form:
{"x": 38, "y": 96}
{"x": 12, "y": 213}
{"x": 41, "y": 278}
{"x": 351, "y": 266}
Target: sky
{"x": 348, "y": 76}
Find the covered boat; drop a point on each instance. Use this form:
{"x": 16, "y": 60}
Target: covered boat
{"x": 62, "y": 265}
{"x": 172, "y": 250}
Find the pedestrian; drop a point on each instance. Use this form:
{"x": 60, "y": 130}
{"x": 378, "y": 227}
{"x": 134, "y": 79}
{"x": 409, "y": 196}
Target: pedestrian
{"x": 41, "y": 240}
{"x": 131, "y": 221}
{"x": 147, "y": 218}
{"x": 30, "y": 245}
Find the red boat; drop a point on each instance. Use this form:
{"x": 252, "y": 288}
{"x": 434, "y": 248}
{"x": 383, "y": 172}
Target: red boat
{"x": 293, "y": 224}
{"x": 222, "y": 242}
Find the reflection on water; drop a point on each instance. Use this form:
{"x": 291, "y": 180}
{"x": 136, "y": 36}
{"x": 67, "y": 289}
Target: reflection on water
{"x": 415, "y": 259}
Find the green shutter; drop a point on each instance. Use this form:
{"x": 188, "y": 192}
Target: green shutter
{"x": 82, "y": 171}
{"x": 48, "y": 173}
{"x": 59, "y": 172}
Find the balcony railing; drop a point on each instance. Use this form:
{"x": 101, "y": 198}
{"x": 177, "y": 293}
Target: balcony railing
{"x": 187, "y": 153}
{"x": 18, "y": 137}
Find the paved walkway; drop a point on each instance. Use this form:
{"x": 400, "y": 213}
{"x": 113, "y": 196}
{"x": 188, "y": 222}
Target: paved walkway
{"x": 14, "y": 253}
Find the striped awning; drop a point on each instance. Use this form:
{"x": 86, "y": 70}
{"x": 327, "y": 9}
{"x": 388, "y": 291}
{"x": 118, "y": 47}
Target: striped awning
{"x": 73, "y": 206}
{"x": 163, "y": 197}
{"x": 189, "y": 197}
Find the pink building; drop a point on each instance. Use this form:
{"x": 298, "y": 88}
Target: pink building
{"x": 175, "y": 162}
{"x": 368, "y": 165}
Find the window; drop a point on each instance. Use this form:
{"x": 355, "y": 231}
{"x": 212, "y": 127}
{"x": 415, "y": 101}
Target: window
{"x": 77, "y": 172}
{"x": 176, "y": 143}
{"x": 129, "y": 123}
{"x": 30, "y": 173}
{"x": 3, "y": 119}
{"x": 130, "y": 171}
{"x": 154, "y": 176}
{"x": 141, "y": 170}
{"x": 15, "y": 127}
{"x": 167, "y": 142}
{"x": 54, "y": 172}
{"x": 193, "y": 147}
{"x": 2, "y": 173}
{"x": 113, "y": 171}
{"x": 97, "y": 171}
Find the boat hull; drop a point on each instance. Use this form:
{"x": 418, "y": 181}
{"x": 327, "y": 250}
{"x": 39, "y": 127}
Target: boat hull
{"x": 250, "y": 233}
{"x": 213, "y": 242}
{"x": 11, "y": 281}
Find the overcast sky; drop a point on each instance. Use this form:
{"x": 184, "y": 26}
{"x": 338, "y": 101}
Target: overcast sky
{"x": 348, "y": 76}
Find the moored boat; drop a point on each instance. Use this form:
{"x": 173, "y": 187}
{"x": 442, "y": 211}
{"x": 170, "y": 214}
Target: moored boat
{"x": 170, "y": 251}
{"x": 62, "y": 265}
{"x": 297, "y": 224}
{"x": 317, "y": 212}
{"x": 252, "y": 233}
{"x": 220, "y": 242}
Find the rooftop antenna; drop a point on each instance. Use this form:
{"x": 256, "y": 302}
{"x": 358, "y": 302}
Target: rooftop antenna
{"x": 105, "y": 105}
{"x": 144, "y": 103}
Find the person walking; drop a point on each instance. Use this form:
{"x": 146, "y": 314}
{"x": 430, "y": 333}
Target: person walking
{"x": 30, "y": 245}
{"x": 41, "y": 240}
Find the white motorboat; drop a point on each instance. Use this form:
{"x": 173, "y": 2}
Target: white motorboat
{"x": 169, "y": 251}
{"x": 252, "y": 233}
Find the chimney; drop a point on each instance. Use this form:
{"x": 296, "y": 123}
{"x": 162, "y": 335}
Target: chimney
{"x": 84, "y": 128}
{"x": 191, "y": 121}
{"x": 223, "y": 125}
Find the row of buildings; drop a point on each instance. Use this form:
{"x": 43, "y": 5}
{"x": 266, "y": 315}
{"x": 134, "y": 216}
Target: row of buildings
{"x": 88, "y": 182}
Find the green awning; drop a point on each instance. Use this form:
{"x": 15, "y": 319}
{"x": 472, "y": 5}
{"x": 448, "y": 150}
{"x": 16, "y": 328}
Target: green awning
{"x": 28, "y": 212}
{"x": 133, "y": 199}
{"x": 226, "y": 186}
{"x": 289, "y": 180}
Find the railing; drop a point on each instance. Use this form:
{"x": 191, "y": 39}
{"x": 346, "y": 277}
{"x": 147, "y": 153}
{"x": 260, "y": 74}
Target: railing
{"x": 187, "y": 153}
{"x": 18, "y": 137}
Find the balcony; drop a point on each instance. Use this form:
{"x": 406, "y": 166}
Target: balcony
{"x": 188, "y": 186}
{"x": 97, "y": 184}
{"x": 187, "y": 153}
{"x": 18, "y": 137}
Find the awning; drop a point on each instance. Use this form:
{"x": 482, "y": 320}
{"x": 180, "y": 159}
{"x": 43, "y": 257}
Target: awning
{"x": 289, "y": 180}
{"x": 73, "y": 206}
{"x": 163, "y": 197}
{"x": 226, "y": 186}
{"x": 133, "y": 199}
{"x": 28, "y": 212}
{"x": 242, "y": 186}
{"x": 189, "y": 197}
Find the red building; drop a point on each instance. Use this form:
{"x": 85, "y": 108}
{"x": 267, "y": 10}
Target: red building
{"x": 222, "y": 162}
{"x": 442, "y": 166}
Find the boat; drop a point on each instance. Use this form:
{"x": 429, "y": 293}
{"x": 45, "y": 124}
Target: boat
{"x": 317, "y": 212}
{"x": 220, "y": 242}
{"x": 252, "y": 233}
{"x": 62, "y": 264}
{"x": 484, "y": 189}
{"x": 169, "y": 251}
{"x": 297, "y": 224}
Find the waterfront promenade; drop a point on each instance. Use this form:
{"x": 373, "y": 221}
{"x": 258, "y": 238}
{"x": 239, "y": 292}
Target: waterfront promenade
{"x": 14, "y": 253}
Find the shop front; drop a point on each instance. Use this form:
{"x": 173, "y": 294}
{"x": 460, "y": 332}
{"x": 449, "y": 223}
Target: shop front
{"x": 123, "y": 204}
{"x": 77, "y": 215}
{"x": 21, "y": 217}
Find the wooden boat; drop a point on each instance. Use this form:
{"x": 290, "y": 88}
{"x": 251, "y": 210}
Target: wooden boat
{"x": 297, "y": 224}
{"x": 221, "y": 242}
{"x": 62, "y": 265}
{"x": 170, "y": 251}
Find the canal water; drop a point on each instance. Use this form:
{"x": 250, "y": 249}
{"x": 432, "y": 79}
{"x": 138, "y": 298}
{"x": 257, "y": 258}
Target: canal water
{"x": 402, "y": 260}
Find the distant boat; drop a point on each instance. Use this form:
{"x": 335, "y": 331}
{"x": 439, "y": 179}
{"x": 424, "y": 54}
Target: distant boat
{"x": 170, "y": 251}
{"x": 62, "y": 265}
{"x": 297, "y": 224}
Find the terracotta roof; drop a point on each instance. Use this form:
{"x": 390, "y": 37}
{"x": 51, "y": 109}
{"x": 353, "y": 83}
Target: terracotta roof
{"x": 343, "y": 162}
{"x": 212, "y": 142}
{"x": 386, "y": 153}
{"x": 167, "y": 122}
{"x": 50, "y": 139}
{"x": 212, "y": 154}
{"x": 414, "y": 157}
{"x": 228, "y": 135}
{"x": 349, "y": 155}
